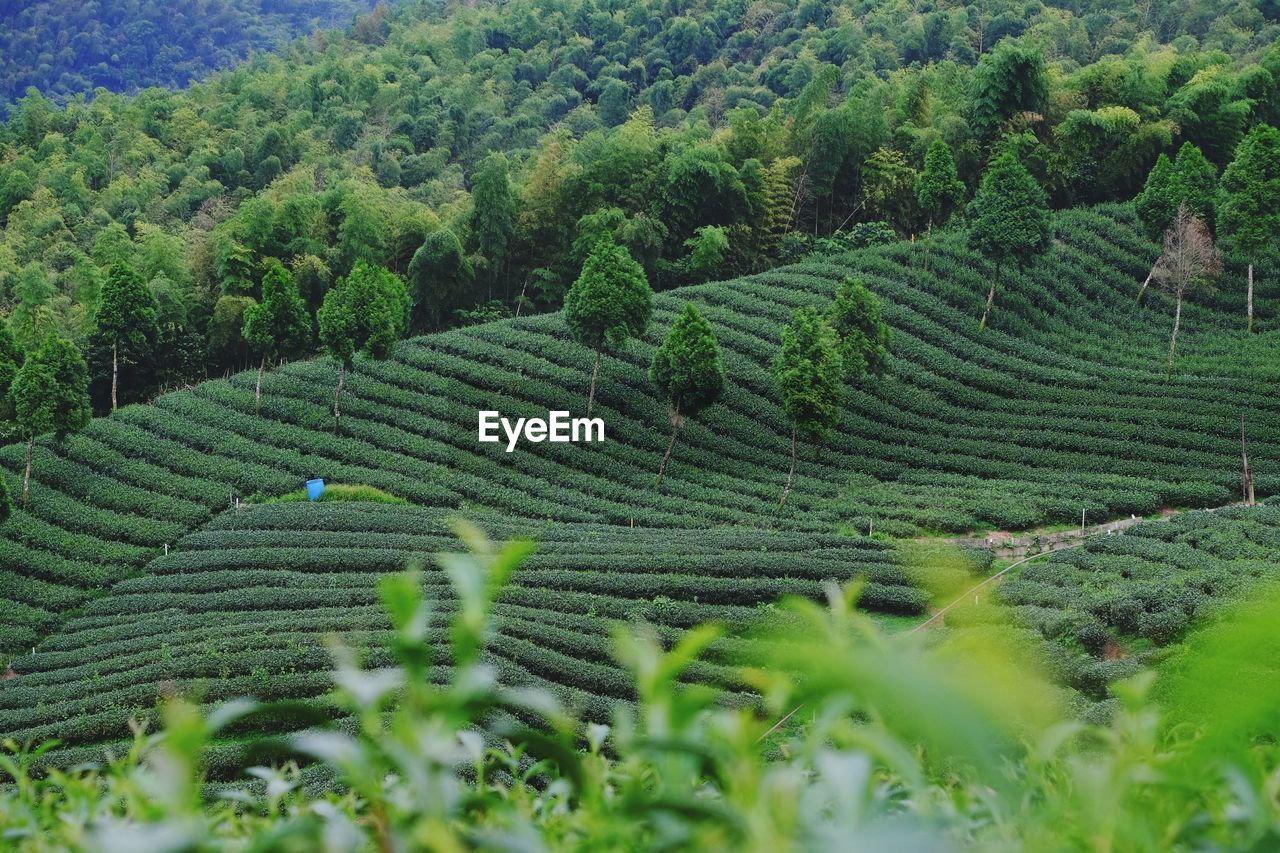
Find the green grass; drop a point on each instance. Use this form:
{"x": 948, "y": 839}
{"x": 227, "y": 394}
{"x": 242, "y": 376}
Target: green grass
{"x": 340, "y": 492}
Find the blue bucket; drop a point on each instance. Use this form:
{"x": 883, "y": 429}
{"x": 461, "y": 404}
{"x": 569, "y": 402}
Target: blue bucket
{"x": 315, "y": 488}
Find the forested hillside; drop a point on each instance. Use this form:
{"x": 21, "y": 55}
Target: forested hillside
{"x": 64, "y": 49}
{"x": 479, "y": 152}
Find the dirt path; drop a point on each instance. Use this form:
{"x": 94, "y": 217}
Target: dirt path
{"x": 1017, "y": 546}
{"x": 1034, "y": 542}
{"x": 1052, "y": 542}
{"x": 938, "y": 614}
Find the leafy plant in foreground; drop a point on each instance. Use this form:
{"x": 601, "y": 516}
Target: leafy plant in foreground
{"x": 894, "y": 742}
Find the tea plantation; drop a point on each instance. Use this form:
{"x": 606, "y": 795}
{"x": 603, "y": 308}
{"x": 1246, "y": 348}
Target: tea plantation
{"x": 1059, "y": 406}
{"x": 242, "y": 607}
{"x": 1119, "y": 602}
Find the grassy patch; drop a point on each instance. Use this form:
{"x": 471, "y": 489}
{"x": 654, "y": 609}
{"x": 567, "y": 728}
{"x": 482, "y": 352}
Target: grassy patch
{"x": 342, "y": 492}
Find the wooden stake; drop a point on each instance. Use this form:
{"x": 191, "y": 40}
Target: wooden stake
{"x": 1246, "y": 473}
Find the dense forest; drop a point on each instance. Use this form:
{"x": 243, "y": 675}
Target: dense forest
{"x": 481, "y": 152}
{"x": 64, "y": 48}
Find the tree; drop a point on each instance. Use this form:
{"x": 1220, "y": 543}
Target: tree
{"x": 493, "y": 218}
{"x": 1249, "y": 214}
{"x": 34, "y": 316}
{"x": 939, "y": 192}
{"x": 278, "y": 326}
{"x": 1189, "y": 180}
{"x": 610, "y": 302}
{"x": 440, "y": 276}
{"x": 50, "y": 394}
{"x": 1156, "y": 205}
{"x": 889, "y": 188}
{"x": 1188, "y": 263}
{"x": 11, "y": 358}
{"x": 614, "y": 103}
{"x": 6, "y": 501}
{"x": 225, "y": 331}
{"x": 1009, "y": 81}
{"x": 776, "y": 211}
{"x": 1009, "y": 220}
{"x": 810, "y": 374}
{"x": 125, "y": 319}
{"x": 862, "y": 335}
{"x": 707, "y": 249}
{"x": 367, "y": 312}
{"x": 687, "y": 372}
{"x": 1195, "y": 184}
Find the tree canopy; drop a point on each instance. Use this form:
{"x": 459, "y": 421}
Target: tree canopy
{"x": 686, "y": 371}
{"x": 611, "y": 300}
{"x": 1249, "y": 213}
{"x": 1009, "y": 219}
{"x": 718, "y": 142}
{"x": 609, "y": 303}
{"x": 864, "y": 338}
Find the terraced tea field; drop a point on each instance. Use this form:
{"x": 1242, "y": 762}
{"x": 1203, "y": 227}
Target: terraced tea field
{"x": 1061, "y": 405}
{"x": 242, "y": 608}
{"x": 1115, "y": 603}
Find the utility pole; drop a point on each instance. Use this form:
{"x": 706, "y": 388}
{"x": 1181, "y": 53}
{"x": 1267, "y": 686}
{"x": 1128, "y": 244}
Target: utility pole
{"x": 1246, "y": 473}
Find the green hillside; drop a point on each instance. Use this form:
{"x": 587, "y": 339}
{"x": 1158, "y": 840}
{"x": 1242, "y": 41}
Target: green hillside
{"x": 1062, "y": 405}
{"x": 242, "y": 608}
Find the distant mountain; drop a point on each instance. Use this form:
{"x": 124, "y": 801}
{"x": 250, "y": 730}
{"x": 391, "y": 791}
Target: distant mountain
{"x": 64, "y": 47}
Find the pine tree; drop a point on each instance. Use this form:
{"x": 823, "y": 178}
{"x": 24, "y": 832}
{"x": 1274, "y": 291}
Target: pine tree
{"x": 1195, "y": 184}
{"x": 368, "y": 311}
{"x": 278, "y": 326}
{"x": 50, "y": 394}
{"x": 687, "y": 372}
{"x": 810, "y": 375}
{"x": 610, "y": 302}
{"x": 1249, "y": 214}
{"x": 939, "y": 191}
{"x": 125, "y": 319}
{"x": 1156, "y": 205}
{"x": 1009, "y": 220}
